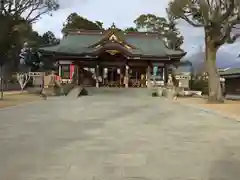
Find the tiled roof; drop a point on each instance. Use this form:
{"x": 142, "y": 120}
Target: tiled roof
{"x": 230, "y": 71}
{"x": 146, "y": 44}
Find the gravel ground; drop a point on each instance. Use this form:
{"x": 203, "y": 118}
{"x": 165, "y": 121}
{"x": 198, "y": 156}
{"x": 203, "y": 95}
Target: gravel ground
{"x": 116, "y": 134}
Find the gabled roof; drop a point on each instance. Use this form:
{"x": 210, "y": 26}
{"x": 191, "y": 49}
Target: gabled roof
{"x": 86, "y": 42}
{"x": 229, "y": 72}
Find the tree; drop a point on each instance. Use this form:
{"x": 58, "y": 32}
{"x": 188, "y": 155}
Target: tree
{"x": 32, "y": 60}
{"x": 15, "y": 15}
{"x": 30, "y": 57}
{"x": 75, "y": 21}
{"x": 217, "y": 18}
{"x": 23, "y": 78}
{"x": 12, "y": 31}
{"x": 151, "y": 23}
{"x": 99, "y": 24}
{"x": 34, "y": 39}
{"x": 130, "y": 29}
{"x": 165, "y": 27}
{"x": 49, "y": 38}
{"x": 23, "y": 74}
{"x": 173, "y": 36}
{"x": 15, "y": 18}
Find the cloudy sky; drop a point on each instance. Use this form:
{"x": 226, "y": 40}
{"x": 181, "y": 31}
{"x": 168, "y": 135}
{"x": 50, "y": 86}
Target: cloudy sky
{"x": 122, "y": 13}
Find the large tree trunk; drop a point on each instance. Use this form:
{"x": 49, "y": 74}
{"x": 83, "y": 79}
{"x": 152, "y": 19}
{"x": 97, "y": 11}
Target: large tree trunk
{"x": 1, "y": 82}
{"x": 215, "y": 93}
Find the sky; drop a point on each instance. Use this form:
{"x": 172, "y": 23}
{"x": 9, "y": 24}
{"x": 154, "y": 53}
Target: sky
{"x": 122, "y": 13}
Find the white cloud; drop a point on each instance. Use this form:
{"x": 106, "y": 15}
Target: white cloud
{"x": 193, "y": 37}
{"x": 122, "y": 13}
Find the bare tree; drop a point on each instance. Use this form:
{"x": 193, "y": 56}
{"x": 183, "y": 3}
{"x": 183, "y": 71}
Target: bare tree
{"x": 218, "y": 18}
{"x": 31, "y": 10}
{"x": 23, "y": 78}
{"x": 14, "y": 15}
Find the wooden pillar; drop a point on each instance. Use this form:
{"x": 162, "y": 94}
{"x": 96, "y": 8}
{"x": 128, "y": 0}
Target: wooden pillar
{"x": 149, "y": 76}
{"x": 60, "y": 70}
{"x": 97, "y": 75}
{"x": 126, "y": 77}
{"x": 43, "y": 82}
{"x": 120, "y": 77}
{"x": 165, "y": 74}
{"x": 77, "y": 71}
{"x": 105, "y": 76}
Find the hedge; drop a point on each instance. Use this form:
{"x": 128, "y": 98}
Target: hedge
{"x": 199, "y": 85}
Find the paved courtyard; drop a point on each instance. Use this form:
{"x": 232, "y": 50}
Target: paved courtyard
{"x": 117, "y": 135}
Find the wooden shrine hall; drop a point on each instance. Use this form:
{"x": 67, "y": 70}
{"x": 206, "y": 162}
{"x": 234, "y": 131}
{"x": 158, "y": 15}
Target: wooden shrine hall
{"x": 112, "y": 58}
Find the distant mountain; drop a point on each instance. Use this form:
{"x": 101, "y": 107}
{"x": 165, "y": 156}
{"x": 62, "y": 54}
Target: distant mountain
{"x": 185, "y": 67}
{"x": 235, "y": 65}
{"x": 224, "y": 60}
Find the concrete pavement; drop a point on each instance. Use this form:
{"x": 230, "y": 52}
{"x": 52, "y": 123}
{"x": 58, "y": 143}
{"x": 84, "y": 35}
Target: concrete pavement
{"x": 116, "y": 135}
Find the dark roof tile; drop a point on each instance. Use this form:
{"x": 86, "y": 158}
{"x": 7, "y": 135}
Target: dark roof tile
{"x": 147, "y": 44}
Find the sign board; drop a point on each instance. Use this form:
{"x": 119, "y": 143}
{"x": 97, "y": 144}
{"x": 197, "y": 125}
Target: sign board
{"x": 183, "y": 77}
{"x": 34, "y": 74}
{"x": 36, "y": 77}
{"x": 158, "y": 64}
{"x": 65, "y": 62}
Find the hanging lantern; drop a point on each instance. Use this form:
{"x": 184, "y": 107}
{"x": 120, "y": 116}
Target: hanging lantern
{"x": 105, "y": 72}
{"x": 155, "y": 69}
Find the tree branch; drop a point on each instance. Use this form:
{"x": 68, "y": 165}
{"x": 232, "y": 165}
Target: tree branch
{"x": 34, "y": 8}
{"x": 22, "y": 6}
{"x": 227, "y": 35}
{"x": 229, "y": 7}
{"x": 37, "y": 16}
{"x": 184, "y": 17}
{"x": 205, "y": 11}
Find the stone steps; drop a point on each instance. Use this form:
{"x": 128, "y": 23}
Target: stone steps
{"x": 74, "y": 92}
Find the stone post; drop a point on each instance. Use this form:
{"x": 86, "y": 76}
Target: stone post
{"x": 165, "y": 74}
{"x": 60, "y": 70}
{"x": 126, "y": 77}
{"x": 97, "y": 76}
{"x": 149, "y": 76}
{"x": 43, "y": 81}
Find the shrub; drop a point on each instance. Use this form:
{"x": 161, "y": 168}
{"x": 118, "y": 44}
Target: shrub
{"x": 154, "y": 94}
{"x": 30, "y": 83}
{"x": 200, "y": 85}
{"x": 13, "y": 79}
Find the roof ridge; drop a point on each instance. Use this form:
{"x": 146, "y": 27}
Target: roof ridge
{"x": 97, "y": 32}
{"x": 142, "y": 32}
{"x": 85, "y": 32}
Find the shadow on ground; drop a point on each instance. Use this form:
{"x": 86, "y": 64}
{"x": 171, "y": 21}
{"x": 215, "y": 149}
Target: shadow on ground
{"x": 227, "y": 165}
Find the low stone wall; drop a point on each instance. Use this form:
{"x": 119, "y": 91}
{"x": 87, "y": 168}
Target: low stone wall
{"x": 167, "y": 92}
{"x": 11, "y": 87}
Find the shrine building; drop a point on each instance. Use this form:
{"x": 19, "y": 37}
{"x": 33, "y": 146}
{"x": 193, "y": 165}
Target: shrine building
{"x": 112, "y": 58}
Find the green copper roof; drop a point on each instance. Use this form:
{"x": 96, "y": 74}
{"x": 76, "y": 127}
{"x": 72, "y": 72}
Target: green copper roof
{"x": 74, "y": 44}
{"x": 77, "y": 44}
{"x": 151, "y": 46}
{"x": 229, "y": 71}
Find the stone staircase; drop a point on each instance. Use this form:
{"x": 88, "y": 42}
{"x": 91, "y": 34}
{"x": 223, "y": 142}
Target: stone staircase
{"x": 74, "y": 92}
{"x": 77, "y": 91}
{"x": 131, "y": 92}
